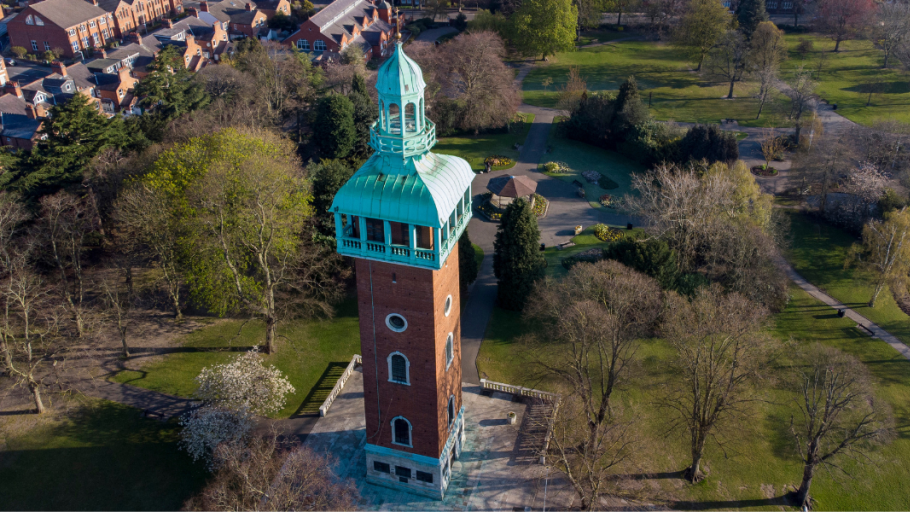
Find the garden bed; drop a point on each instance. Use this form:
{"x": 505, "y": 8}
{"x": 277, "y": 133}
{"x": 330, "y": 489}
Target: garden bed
{"x": 759, "y": 170}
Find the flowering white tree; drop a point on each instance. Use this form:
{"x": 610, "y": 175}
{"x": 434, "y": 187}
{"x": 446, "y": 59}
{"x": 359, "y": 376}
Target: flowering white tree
{"x": 207, "y": 427}
{"x": 244, "y": 384}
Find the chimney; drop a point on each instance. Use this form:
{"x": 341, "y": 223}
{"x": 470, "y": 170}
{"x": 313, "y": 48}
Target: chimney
{"x": 95, "y": 3}
{"x": 124, "y": 73}
{"x": 30, "y": 111}
{"x": 13, "y": 88}
{"x": 101, "y": 53}
{"x": 133, "y": 37}
{"x": 204, "y": 6}
{"x": 59, "y": 67}
{"x": 249, "y": 6}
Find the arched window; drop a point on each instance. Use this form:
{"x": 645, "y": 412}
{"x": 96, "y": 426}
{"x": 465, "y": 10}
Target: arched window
{"x": 319, "y": 46}
{"x": 401, "y": 431}
{"x": 410, "y": 117}
{"x": 450, "y": 350}
{"x": 451, "y": 410}
{"x": 399, "y": 368}
{"x": 394, "y": 118}
{"x": 29, "y": 20}
{"x": 303, "y": 45}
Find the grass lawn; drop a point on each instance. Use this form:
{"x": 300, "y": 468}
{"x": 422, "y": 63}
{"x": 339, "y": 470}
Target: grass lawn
{"x": 849, "y": 75}
{"x": 311, "y": 353}
{"x": 582, "y": 157}
{"x": 476, "y": 148}
{"x": 106, "y": 457}
{"x": 583, "y": 242}
{"x": 759, "y": 463}
{"x": 478, "y": 254}
{"x": 601, "y": 36}
{"x": 818, "y": 250}
{"x": 663, "y": 71}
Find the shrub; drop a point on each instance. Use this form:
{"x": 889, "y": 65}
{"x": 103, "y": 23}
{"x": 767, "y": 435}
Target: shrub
{"x": 805, "y": 46}
{"x": 605, "y": 234}
{"x": 556, "y": 167}
{"x": 652, "y": 257}
{"x": 498, "y": 161}
{"x": 708, "y": 142}
{"x": 460, "y": 22}
{"x": 207, "y": 427}
{"x": 606, "y": 200}
{"x": 18, "y": 51}
{"x": 540, "y": 204}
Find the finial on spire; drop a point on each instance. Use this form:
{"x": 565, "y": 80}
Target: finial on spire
{"x": 397, "y": 26}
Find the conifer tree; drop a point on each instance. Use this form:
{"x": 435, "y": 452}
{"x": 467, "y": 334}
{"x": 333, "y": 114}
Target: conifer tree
{"x": 467, "y": 265}
{"x": 750, "y": 13}
{"x": 517, "y": 260}
{"x": 335, "y": 126}
{"x": 169, "y": 87}
{"x": 328, "y": 176}
{"x": 365, "y": 112}
{"x": 628, "y": 110}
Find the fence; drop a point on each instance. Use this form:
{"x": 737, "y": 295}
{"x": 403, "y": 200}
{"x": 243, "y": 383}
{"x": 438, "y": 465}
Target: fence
{"x": 518, "y": 390}
{"x": 324, "y": 408}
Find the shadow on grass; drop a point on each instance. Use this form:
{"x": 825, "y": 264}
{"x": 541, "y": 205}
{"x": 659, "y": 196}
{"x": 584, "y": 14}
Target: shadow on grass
{"x": 321, "y": 390}
{"x": 780, "y": 501}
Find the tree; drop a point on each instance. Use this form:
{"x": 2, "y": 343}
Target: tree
{"x": 719, "y": 350}
{"x": 282, "y": 76}
{"x": 74, "y": 133}
{"x": 767, "y": 51}
{"x": 891, "y": 28}
{"x": 19, "y": 51}
{"x": 335, "y": 125}
{"x": 574, "y": 92}
{"x": 242, "y": 197}
{"x": 628, "y": 109}
{"x": 119, "y": 306}
{"x": 652, "y": 257}
{"x": 843, "y": 19}
{"x": 65, "y": 223}
{"x": 544, "y": 27}
{"x": 244, "y": 384}
{"x": 436, "y": 7}
{"x": 839, "y": 414}
{"x": 207, "y": 428}
{"x": 517, "y": 260}
{"x": 365, "y": 112}
{"x": 145, "y": 218}
{"x": 727, "y": 60}
{"x": 772, "y": 146}
{"x": 169, "y": 88}
{"x": 467, "y": 265}
{"x": 328, "y": 176}
{"x": 700, "y": 27}
{"x": 708, "y": 143}
{"x": 886, "y": 245}
{"x": 801, "y": 91}
{"x": 268, "y": 473}
{"x": 750, "y": 14}
{"x": 620, "y": 6}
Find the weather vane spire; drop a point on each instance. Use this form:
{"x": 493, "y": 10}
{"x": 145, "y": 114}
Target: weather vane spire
{"x": 397, "y": 26}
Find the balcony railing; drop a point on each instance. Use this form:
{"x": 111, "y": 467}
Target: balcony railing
{"x": 408, "y": 145}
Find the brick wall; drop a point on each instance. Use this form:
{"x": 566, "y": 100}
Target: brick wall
{"x": 419, "y": 296}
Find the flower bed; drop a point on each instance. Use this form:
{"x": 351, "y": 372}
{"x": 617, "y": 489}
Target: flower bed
{"x": 556, "y": 167}
{"x": 490, "y": 211}
{"x": 591, "y": 176}
{"x": 605, "y": 234}
{"x": 606, "y": 201}
{"x": 762, "y": 170}
{"x": 540, "y": 205}
{"x": 498, "y": 161}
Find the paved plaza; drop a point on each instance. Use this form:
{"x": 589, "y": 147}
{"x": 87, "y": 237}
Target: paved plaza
{"x": 498, "y": 468}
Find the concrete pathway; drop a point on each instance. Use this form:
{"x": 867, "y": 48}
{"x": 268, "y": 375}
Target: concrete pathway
{"x": 877, "y": 332}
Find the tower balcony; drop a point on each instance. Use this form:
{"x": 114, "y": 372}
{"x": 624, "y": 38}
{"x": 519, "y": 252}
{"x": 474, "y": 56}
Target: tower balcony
{"x": 411, "y": 143}
{"x": 395, "y": 242}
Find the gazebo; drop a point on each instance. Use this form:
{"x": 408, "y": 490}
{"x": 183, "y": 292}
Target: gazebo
{"x": 506, "y": 189}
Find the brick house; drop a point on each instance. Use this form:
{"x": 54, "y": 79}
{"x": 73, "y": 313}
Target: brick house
{"x": 239, "y": 19}
{"x": 4, "y": 75}
{"x": 115, "y": 90}
{"x": 129, "y": 15}
{"x": 346, "y": 22}
{"x": 272, "y": 7}
{"x": 67, "y": 25}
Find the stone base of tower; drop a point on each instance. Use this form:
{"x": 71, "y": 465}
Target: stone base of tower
{"x": 416, "y": 474}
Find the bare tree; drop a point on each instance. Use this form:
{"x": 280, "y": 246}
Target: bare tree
{"x": 890, "y": 28}
{"x": 269, "y": 474}
{"x": 12, "y": 216}
{"x": 573, "y": 91}
{"x": 768, "y": 49}
{"x": 801, "y": 91}
{"x": 885, "y": 250}
{"x": 823, "y": 164}
{"x": 720, "y": 348}
{"x": 119, "y": 307}
{"x": 63, "y": 228}
{"x": 148, "y": 227}
{"x": 727, "y": 60}
{"x": 839, "y": 414}
{"x": 281, "y": 76}
{"x": 772, "y": 146}
{"x": 841, "y": 20}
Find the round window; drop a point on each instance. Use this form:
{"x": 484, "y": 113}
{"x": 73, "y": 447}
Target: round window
{"x": 448, "y": 307}
{"x": 396, "y": 322}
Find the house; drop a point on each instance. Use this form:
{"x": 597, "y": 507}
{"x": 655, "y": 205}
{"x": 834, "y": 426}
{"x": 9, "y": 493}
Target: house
{"x": 67, "y": 26}
{"x": 772, "y": 6}
{"x": 130, "y": 15}
{"x": 238, "y": 18}
{"x": 115, "y": 90}
{"x": 4, "y": 75}
{"x": 20, "y": 131}
{"x": 272, "y": 7}
{"x": 346, "y": 22}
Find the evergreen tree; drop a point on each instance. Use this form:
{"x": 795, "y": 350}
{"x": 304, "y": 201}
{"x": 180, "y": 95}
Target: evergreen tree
{"x": 335, "y": 126}
{"x": 708, "y": 142}
{"x": 750, "y": 13}
{"x": 169, "y": 87}
{"x": 75, "y": 132}
{"x": 467, "y": 265}
{"x": 517, "y": 260}
{"x": 653, "y": 257}
{"x": 628, "y": 110}
{"x": 365, "y": 112}
{"x": 328, "y": 176}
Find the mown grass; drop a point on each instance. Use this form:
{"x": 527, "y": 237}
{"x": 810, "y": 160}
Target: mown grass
{"x": 664, "y": 73}
{"x": 757, "y": 465}
{"x": 312, "y": 354}
{"x": 583, "y": 242}
{"x": 847, "y": 77}
{"x": 818, "y": 251}
{"x": 104, "y": 457}
{"x": 476, "y": 148}
{"x": 582, "y": 157}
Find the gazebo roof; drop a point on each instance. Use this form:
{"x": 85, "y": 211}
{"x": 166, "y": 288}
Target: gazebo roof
{"x": 512, "y": 186}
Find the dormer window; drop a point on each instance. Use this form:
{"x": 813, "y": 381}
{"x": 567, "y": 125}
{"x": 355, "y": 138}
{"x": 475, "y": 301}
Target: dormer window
{"x": 29, "y": 20}
{"x": 66, "y": 87}
{"x": 39, "y": 21}
{"x": 120, "y": 92}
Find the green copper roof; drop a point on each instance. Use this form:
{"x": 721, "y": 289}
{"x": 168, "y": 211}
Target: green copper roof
{"x": 422, "y": 190}
{"x": 399, "y": 76}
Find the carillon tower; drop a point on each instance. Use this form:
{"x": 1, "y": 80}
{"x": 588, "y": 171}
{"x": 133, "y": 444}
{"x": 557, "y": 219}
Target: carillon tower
{"x": 400, "y": 217}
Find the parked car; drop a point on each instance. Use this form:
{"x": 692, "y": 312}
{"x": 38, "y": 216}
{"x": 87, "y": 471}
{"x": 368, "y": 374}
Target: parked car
{"x": 10, "y": 62}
